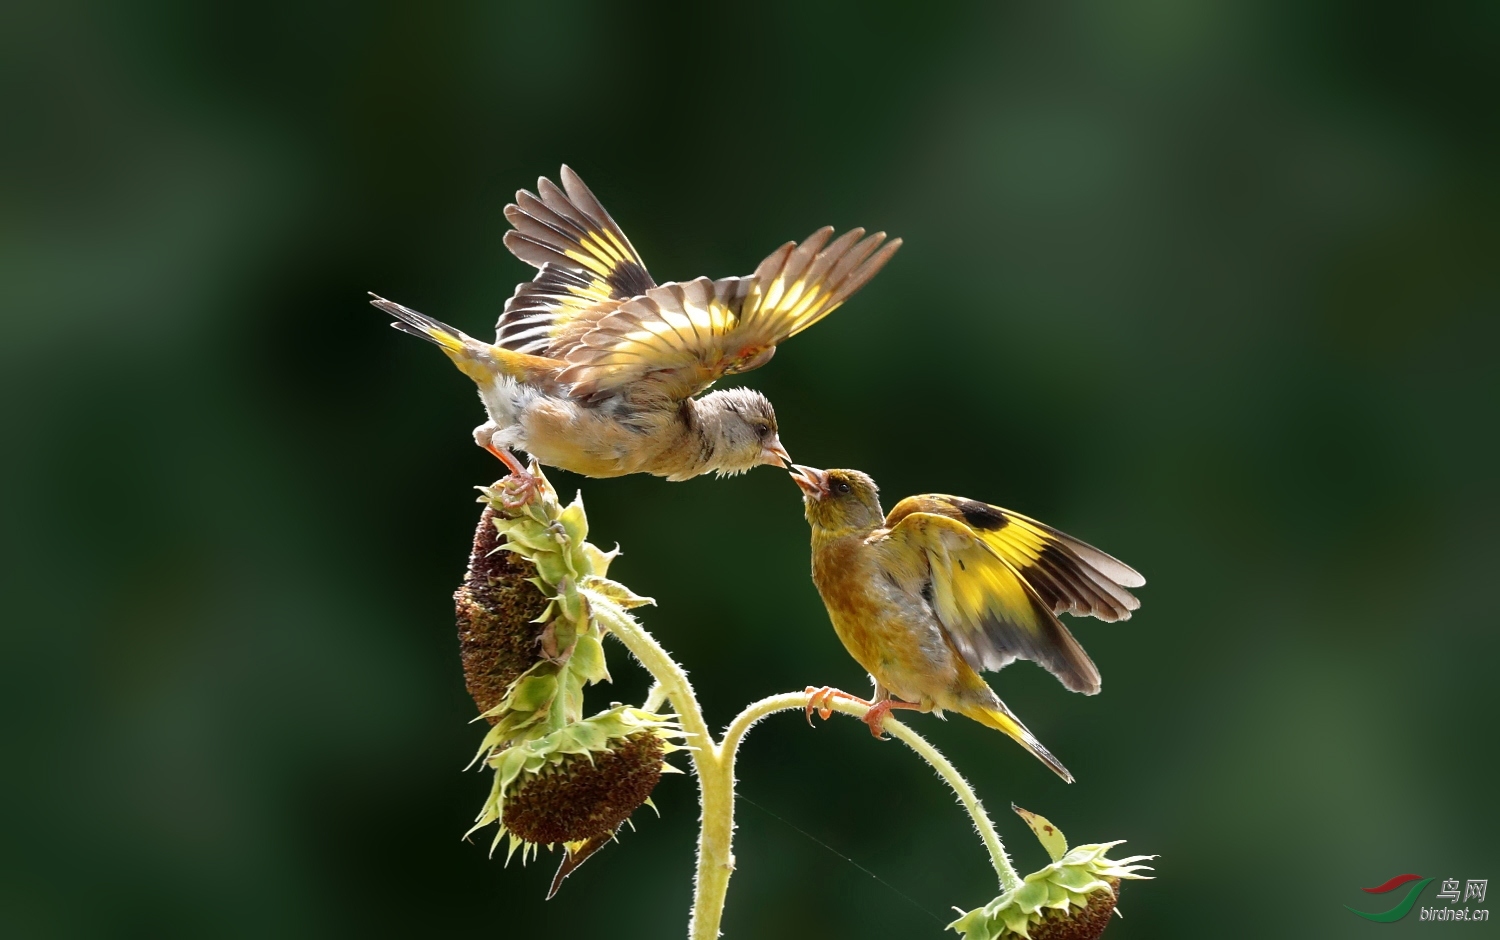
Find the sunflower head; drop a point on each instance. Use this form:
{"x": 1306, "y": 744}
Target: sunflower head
{"x": 1070, "y": 899}
{"x": 498, "y": 606}
{"x": 531, "y": 645}
{"x": 584, "y": 796}
{"x": 579, "y": 783}
{"x": 528, "y": 640}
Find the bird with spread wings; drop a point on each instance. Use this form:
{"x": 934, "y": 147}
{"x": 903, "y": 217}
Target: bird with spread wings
{"x": 599, "y": 370}
{"x": 944, "y": 587}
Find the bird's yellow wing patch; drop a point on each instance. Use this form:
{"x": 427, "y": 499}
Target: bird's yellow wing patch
{"x": 587, "y": 265}
{"x": 682, "y": 337}
{"x": 1070, "y": 576}
{"x": 997, "y": 592}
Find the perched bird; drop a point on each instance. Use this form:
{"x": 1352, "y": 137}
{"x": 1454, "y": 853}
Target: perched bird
{"x": 943, "y": 587}
{"x": 595, "y": 367}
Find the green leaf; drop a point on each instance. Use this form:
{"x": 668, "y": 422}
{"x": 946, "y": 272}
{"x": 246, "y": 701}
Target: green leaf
{"x": 1077, "y": 879}
{"x": 1049, "y": 835}
{"x": 1057, "y": 896}
{"x": 976, "y": 925}
{"x": 574, "y": 522}
{"x": 617, "y": 592}
{"x": 598, "y": 560}
{"x": 530, "y": 536}
{"x": 1016, "y": 921}
{"x": 588, "y": 660}
{"x": 552, "y": 566}
{"x": 571, "y": 602}
{"x": 532, "y": 693}
{"x": 1032, "y": 896}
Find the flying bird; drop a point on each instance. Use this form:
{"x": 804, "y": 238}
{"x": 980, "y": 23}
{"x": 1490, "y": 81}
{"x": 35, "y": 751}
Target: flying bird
{"x": 944, "y": 587}
{"x": 597, "y": 369}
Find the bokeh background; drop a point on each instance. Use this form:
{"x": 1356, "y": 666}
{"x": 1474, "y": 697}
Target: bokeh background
{"x": 1213, "y": 286}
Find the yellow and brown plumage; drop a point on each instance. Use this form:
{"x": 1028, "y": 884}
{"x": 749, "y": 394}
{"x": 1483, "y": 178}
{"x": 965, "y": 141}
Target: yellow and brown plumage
{"x": 596, "y": 368}
{"x": 945, "y": 587}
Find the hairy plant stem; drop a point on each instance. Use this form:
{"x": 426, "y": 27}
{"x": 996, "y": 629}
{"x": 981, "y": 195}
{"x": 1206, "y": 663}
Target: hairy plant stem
{"x": 715, "y": 777}
{"x": 754, "y": 712}
{"x": 714, "y": 765}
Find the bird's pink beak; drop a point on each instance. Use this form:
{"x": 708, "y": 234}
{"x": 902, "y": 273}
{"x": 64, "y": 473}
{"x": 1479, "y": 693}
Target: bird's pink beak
{"x": 812, "y": 481}
{"x": 774, "y": 454}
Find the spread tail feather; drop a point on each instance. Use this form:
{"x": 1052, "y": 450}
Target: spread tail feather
{"x": 1001, "y": 719}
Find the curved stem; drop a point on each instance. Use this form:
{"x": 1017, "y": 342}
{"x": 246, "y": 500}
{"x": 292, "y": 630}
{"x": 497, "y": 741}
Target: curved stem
{"x": 715, "y": 848}
{"x": 1009, "y": 880}
{"x": 655, "y": 696}
{"x": 715, "y": 776}
{"x": 754, "y": 712}
{"x": 663, "y": 668}
{"x": 714, "y": 765}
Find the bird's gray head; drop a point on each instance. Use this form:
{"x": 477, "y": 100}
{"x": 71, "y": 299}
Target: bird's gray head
{"x": 738, "y": 428}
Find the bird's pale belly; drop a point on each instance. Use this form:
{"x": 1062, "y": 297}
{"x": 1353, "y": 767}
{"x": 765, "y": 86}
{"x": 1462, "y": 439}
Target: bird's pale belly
{"x": 567, "y": 436}
{"x": 560, "y": 432}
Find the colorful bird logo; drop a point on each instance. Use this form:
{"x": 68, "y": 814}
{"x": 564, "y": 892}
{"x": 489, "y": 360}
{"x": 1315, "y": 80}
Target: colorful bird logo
{"x": 1400, "y": 910}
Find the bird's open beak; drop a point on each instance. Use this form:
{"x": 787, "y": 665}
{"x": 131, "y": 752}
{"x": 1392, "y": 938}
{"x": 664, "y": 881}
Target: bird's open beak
{"x": 774, "y": 454}
{"x": 812, "y": 481}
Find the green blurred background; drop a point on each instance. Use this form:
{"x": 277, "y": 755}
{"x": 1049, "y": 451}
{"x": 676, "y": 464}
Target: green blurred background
{"x": 1213, "y": 286}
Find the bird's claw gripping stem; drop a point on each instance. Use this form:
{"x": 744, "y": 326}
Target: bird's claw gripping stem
{"x": 875, "y": 717}
{"x": 818, "y": 700}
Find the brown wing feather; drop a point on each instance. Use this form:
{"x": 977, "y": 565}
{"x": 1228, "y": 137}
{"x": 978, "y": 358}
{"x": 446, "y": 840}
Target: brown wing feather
{"x": 1000, "y": 579}
{"x": 990, "y": 613}
{"x": 1070, "y": 575}
{"x": 682, "y": 337}
{"x": 587, "y": 265}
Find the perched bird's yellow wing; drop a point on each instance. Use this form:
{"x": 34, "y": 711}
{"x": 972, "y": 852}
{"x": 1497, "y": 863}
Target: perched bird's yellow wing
{"x": 998, "y": 580}
{"x": 588, "y": 266}
{"x": 682, "y": 337}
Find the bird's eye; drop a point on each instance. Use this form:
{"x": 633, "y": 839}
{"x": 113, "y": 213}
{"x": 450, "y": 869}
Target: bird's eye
{"x": 841, "y": 487}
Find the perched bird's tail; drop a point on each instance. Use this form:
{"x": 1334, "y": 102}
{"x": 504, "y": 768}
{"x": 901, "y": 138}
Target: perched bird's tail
{"x": 1001, "y": 719}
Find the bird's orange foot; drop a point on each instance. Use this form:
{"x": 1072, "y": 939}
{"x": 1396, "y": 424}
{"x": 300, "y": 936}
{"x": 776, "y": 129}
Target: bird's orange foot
{"x": 878, "y": 712}
{"x": 819, "y": 700}
{"x": 521, "y": 486}
{"x": 518, "y": 489}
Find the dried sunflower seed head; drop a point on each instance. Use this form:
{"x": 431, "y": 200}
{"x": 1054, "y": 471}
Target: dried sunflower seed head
{"x": 529, "y": 641}
{"x": 498, "y": 605}
{"x": 531, "y": 644}
{"x": 584, "y": 796}
{"x": 580, "y": 782}
{"x": 1086, "y": 923}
